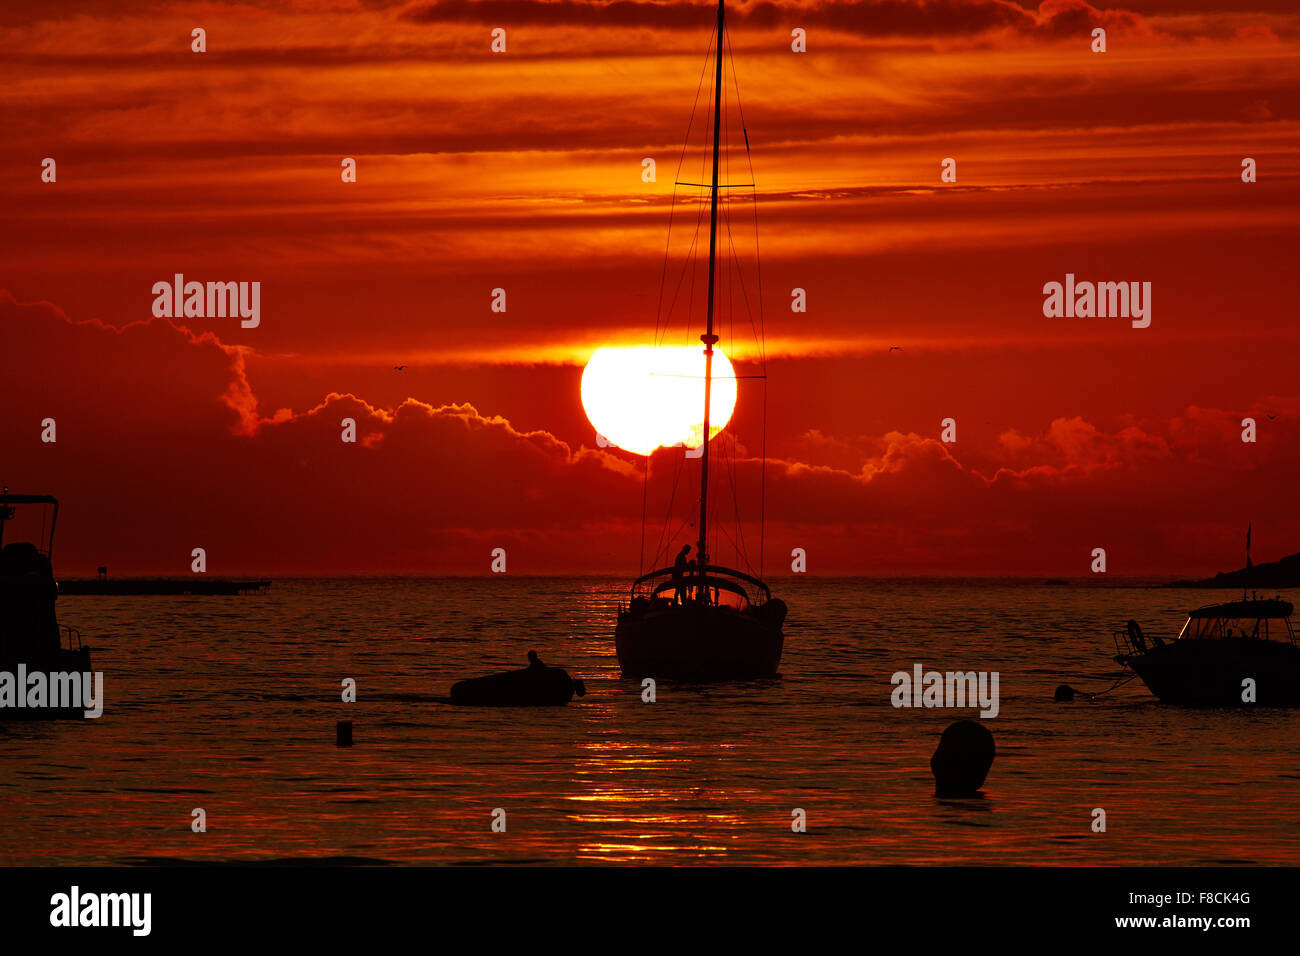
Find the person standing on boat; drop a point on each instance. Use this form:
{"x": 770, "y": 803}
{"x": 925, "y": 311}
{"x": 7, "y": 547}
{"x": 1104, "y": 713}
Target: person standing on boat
{"x": 679, "y": 575}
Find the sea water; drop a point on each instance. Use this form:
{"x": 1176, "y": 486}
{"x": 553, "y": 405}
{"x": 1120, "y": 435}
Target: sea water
{"x": 229, "y": 705}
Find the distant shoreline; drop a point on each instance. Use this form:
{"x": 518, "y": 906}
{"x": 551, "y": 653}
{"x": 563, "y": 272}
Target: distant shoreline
{"x": 1270, "y": 576}
{"x": 85, "y": 586}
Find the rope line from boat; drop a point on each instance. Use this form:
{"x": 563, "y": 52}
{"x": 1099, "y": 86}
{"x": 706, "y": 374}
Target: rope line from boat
{"x": 671, "y": 302}
{"x": 735, "y": 271}
{"x": 691, "y": 265}
{"x": 742, "y": 549}
{"x": 689, "y": 268}
{"x": 663, "y": 322}
{"x": 645, "y": 492}
{"x": 734, "y": 276}
{"x": 681, "y": 161}
{"x": 1074, "y": 690}
{"x": 668, "y": 515}
{"x": 1119, "y": 683}
{"x": 761, "y": 330}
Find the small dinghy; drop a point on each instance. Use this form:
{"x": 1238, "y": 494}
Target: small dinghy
{"x": 534, "y": 686}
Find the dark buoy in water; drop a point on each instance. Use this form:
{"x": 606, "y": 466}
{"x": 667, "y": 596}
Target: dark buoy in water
{"x": 1065, "y": 692}
{"x": 534, "y": 686}
{"x": 962, "y": 760}
{"x": 343, "y": 734}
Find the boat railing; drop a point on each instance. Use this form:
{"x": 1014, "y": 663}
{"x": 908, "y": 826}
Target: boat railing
{"x": 1290, "y": 631}
{"x": 71, "y": 637}
{"x": 1131, "y": 642}
{"x": 1124, "y": 646}
{"x": 754, "y": 591}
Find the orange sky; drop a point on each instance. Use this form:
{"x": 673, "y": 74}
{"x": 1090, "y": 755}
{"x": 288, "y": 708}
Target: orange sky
{"x": 522, "y": 171}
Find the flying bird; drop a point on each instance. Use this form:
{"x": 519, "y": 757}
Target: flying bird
{"x": 398, "y": 368}
{"x": 895, "y": 348}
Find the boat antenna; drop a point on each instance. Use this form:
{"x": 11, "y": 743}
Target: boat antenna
{"x": 1245, "y": 578}
{"x": 708, "y": 338}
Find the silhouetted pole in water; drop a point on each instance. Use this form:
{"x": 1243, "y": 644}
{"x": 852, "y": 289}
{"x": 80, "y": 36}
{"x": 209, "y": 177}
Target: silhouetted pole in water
{"x": 343, "y": 734}
{"x": 962, "y": 760}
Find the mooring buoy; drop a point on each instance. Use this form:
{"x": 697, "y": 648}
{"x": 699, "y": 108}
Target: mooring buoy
{"x": 962, "y": 760}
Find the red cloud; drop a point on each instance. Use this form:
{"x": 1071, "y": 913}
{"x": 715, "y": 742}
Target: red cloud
{"x": 874, "y": 18}
{"x": 162, "y": 447}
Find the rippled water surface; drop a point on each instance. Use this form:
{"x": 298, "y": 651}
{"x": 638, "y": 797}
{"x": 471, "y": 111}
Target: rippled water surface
{"x": 230, "y": 704}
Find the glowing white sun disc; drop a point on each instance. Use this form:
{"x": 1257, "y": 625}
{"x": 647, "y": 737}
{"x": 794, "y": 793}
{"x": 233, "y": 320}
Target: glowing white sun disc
{"x": 643, "y": 397}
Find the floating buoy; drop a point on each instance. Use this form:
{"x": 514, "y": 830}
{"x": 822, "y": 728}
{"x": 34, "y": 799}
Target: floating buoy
{"x": 534, "y": 686}
{"x": 962, "y": 760}
{"x": 343, "y": 734}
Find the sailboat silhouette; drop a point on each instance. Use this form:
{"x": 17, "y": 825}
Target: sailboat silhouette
{"x": 705, "y": 622}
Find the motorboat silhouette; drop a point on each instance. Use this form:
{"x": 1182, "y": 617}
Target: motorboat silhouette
{"x": 31, "y": 638}
{"x": 1220, "y": 651}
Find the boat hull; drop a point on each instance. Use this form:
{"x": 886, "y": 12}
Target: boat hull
{"x": 530, "y": 687}
{"x": 698, "y": 642}
{"x": 1211, "y": 672}
{"x": 65, "y": 662}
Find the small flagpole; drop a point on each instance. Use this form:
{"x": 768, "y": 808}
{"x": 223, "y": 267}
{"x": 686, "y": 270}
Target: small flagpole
{"x": 1246, "y": 577}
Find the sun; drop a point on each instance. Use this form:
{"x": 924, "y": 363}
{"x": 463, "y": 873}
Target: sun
{"x": 644, "y": 397}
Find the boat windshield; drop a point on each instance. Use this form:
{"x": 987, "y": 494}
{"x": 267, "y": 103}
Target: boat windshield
{"x": 31, "y": 524}
{"x": 1217, "y": 628}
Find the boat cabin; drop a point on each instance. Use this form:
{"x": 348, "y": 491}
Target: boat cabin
{"x": 29, "y": 629}
{"x": 1262, "y": 619}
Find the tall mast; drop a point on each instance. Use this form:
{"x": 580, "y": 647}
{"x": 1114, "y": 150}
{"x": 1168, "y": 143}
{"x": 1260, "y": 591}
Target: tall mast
{"x": 708, "y": 338}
